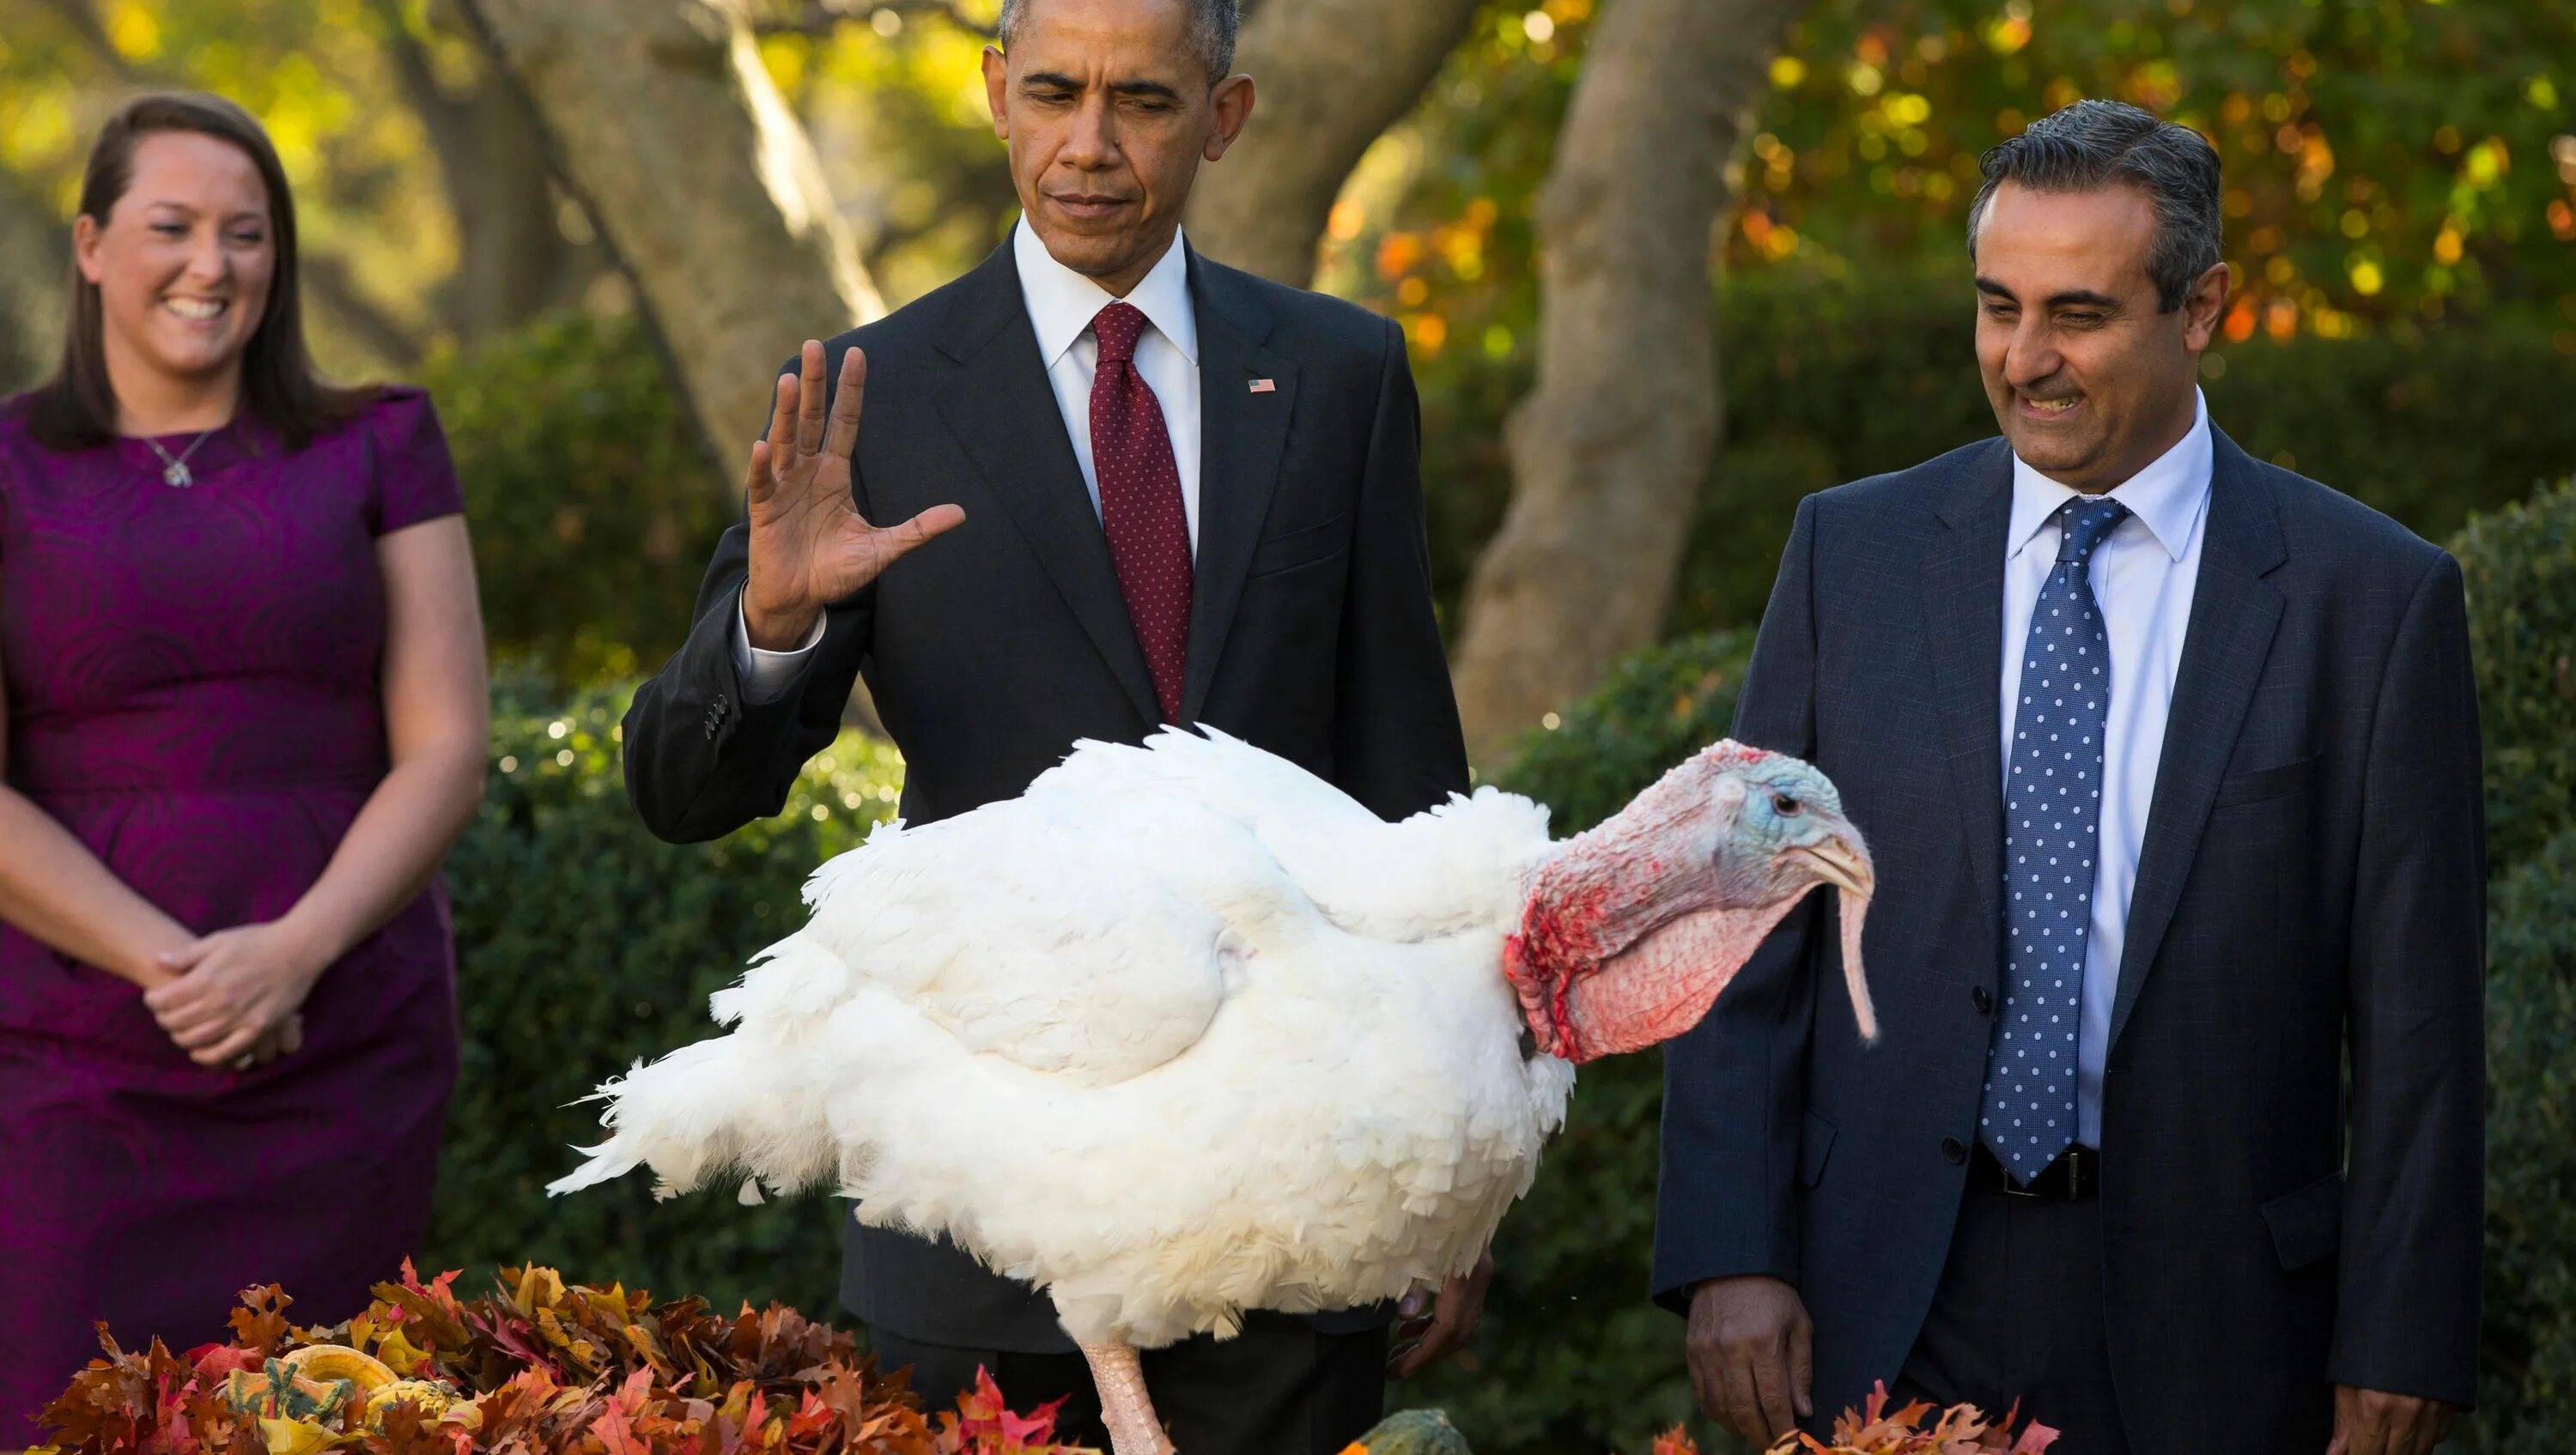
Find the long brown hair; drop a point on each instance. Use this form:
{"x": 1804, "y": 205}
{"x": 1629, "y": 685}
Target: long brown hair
{"x": 76, "y": 409}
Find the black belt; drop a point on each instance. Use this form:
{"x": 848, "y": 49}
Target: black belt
{"x": 2073, "y": 1177}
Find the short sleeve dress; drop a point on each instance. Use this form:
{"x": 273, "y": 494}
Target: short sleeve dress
{"x": 194, "y": 691}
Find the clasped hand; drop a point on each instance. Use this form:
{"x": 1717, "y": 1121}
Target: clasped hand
{"x": 236, "y": 996}
{"x": 810, "y": 546}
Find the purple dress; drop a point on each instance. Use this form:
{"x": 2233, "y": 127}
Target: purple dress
{"x": 193, "y": 692}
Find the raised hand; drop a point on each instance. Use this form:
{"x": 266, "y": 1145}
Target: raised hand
{"x": 810, "y": 546}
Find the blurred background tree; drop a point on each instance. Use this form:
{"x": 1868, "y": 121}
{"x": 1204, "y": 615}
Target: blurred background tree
{"x": 2401, "y": 178}
{"x": 510, "y": 208}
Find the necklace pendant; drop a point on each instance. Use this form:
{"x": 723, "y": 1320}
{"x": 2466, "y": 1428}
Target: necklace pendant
{"x": 176, "y": 476}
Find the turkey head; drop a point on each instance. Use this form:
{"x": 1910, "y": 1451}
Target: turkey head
{"x": 1632, "y": 929}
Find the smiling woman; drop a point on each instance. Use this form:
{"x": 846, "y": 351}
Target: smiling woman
{"x": 243, "y": 675}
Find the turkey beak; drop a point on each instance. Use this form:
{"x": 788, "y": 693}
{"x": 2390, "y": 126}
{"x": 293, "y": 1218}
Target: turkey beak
{"x": 1843, "y": 864}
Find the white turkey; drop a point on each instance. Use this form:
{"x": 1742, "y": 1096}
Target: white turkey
{"x": 1183, "y": 1030}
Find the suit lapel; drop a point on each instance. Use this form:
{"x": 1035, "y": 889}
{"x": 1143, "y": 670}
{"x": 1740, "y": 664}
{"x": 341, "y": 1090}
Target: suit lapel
{"x": 1963, "y": 594}
{"x": 1003, "y": 412}
{"x": 1241, "y": 436}
{"x": 2234, "y": 612}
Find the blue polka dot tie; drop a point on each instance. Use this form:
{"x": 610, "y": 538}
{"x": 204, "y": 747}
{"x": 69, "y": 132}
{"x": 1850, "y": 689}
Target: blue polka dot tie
{"x": 2052, "y": 803}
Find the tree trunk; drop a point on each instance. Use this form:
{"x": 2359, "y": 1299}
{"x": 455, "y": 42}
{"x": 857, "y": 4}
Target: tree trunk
{"x": 33, "y": 286}
{"x": 1612, "y": 445}
{"x": 514, "y": 261}
{"x": 660, "y": 117}
{"x": 1328, "y": 76}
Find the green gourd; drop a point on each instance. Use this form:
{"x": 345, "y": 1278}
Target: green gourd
{"x": 1413, "y": 1432}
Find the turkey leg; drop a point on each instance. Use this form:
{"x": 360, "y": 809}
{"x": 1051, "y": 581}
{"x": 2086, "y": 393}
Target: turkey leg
{"x": 1124, "y": 1406}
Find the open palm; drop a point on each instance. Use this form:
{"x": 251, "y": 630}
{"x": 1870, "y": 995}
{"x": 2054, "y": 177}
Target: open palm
{"x": 810, "y": 546}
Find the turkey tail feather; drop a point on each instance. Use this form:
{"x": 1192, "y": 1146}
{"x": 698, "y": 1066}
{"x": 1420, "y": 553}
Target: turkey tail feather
{"x": 707, "y": 1109}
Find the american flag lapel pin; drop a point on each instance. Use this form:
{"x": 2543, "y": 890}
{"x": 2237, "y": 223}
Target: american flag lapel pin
{"x": 1265, "y": 386}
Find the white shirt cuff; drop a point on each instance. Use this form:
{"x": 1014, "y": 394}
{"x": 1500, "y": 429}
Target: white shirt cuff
{"x": 766, "y": 676}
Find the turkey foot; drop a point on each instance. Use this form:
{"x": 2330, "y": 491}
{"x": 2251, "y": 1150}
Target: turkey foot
{"x": 1124, "y": 1406}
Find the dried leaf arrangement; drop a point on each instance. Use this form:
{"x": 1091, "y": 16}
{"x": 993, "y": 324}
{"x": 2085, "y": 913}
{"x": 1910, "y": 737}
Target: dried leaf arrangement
{"x": 1915, "y": 1429}
{"x": 539, "y": 1367}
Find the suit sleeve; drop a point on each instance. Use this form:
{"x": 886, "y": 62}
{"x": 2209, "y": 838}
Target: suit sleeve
{"x": 2414, "y": 1198}
{"x": 702, "y": 759}
{"x": 1725, "y": 1204}
{"x": 1397, "y": 747}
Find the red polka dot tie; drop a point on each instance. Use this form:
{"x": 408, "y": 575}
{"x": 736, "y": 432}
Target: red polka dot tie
{"x": 1140, "y": 503}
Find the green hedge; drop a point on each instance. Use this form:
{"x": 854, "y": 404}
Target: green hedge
{"x": 2527, "y": 1358}
{"x": 2520, "y": 565}
{"x": 2520, "y": 568}
{"x": 592, "y": 507}
{"x": 584, "y": 945}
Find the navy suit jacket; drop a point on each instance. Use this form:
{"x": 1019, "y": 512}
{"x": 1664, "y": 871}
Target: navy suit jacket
{"x": 992, "y": 649}
{"x": 2310, "y": 898}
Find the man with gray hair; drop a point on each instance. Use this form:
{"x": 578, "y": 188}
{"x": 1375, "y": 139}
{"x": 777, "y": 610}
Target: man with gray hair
{"x": 1143, "y": 489}
{"x": 2180, "y": 821}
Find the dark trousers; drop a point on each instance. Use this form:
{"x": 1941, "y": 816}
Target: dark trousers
{"x": 1281, "y": 1387}
{"x": 2018, "y": 1316}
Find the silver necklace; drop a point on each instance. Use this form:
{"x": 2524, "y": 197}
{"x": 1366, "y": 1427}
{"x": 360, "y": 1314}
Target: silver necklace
{"x": 174, "y": 468}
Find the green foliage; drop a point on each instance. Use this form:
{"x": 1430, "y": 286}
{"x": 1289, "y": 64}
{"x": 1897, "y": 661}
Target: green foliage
{"x": 2521, "y": 569}
{"x": 2385, "y": 160}
{"x": 1658, "y": 706}
{"x": 584, "y": 946}
{"x": 1828, "y": 381}
{"x": 1570, "y": 1355}
{"x": 2520, "y": 566}
{"x": 2527, "y": 1357}
{"x": 592, "y": 507}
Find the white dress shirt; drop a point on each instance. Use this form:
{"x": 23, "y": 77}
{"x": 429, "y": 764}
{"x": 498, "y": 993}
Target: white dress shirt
{"x": 1061, "y": 304}
{"x": 2143, "y": 576}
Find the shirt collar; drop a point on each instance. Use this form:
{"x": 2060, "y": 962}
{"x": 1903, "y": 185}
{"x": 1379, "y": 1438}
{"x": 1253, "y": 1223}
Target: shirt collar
{"x": 1062, "y": 302}
{"x": 2167, "y": 496}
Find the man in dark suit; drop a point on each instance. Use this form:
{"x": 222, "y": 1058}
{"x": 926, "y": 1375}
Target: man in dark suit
{"x": 2168, "y": 762}
{"x": 1145, "y": 489}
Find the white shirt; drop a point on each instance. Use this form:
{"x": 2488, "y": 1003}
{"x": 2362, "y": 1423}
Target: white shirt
{"x": 1061, "y": 305}
{"x": 2143, "y": 577}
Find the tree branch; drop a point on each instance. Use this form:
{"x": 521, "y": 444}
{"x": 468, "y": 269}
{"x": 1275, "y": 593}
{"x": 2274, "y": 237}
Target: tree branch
{"x": 1333, "y": 75}
{"x": 31, "y": 289}
{"x": 819, "y": 18}
{"x": 327, "y": 281}
{"x": 85, "y": 23}
{"x": 450, "y": 130}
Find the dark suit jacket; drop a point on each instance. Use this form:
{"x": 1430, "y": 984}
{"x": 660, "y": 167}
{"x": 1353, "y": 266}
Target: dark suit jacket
{"x": 992, "y": 649}
{"x": 2310, "y": 888}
